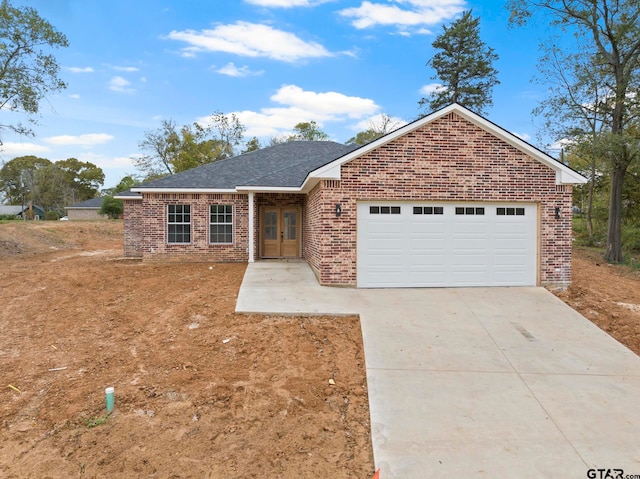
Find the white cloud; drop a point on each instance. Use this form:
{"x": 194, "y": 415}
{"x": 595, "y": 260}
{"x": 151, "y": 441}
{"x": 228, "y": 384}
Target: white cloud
{"x": 233, "y": 71}
{"x": 121, "y": 85}
{"x": 299, "y": 105}
{"x": 285, "y": 3}
{"x": 126, "y": 69}
{"x": 328, "y": 104}
{"x": 80, "y": 69}
{"x": 403, "y": 14}
{"x": 75, "y": 96}
{"x": 522, "y": 136}
{"x": 89, "y": 139}
{"x": 559, "y": 145}
{"x": 107, "y": 162}
{"x": 251, "y": 40}
{"x": 432, "y": 88}
{"x": 21, "y": 149}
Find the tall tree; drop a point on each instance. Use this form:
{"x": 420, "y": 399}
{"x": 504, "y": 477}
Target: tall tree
{"x": 17, "y": 178}
{"x": 82, "y": 179}
{"x": 377, "y": 128}
{"x": 27, "y": 72}
{"x": 464, "y": 67}
{"x": 611, "y": 30}
{"x": 308, "y": 131}
{"x": 252, "y": 145}
{"x": 169, "y": 150}
{"x": 161, "y": 147}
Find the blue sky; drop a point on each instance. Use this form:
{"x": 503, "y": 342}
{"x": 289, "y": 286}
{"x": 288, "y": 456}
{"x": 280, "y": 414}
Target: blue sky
{"x": 274, "y": 63}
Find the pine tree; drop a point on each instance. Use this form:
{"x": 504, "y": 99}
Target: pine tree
{"x": 463, "y": 66}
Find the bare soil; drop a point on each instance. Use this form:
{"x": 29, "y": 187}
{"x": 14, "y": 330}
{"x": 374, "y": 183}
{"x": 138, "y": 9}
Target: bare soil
{"x": 199, "y": 390}
{"x": 608, "y": 295}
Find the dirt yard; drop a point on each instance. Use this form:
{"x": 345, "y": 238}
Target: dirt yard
{"x": 199, "y": 391}
{"x": 608, "y": 295}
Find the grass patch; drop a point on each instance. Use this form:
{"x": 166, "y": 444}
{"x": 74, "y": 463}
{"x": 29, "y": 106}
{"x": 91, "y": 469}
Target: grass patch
{"x": 96, "y": 421}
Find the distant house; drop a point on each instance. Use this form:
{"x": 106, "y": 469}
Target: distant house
{"x": 27, "y": 211}
{"x": 86, "y": 210}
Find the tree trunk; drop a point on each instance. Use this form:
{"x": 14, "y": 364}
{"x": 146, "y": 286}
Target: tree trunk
{"x": 613, "y": 253}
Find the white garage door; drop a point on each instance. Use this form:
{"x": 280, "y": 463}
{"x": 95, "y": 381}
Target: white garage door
{"x": 402, "y": 244}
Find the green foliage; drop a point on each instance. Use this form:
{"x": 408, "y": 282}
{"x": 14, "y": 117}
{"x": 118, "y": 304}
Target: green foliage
{"x": 27, "y": 72}
{"x": 51, "y": 216}
{"x": 252, "y": 145}
{"x": 125, "y": 184}
{"x": 595, "y": 84}
{"x": 50, "y": 185}
{"x": 463, "y": 65}
{"x": 111, "y": 207}
{"x": 308, "y": 131}
{"x": 169, "y": 150}
{"x": 16, "y": 177}
{"x": 364, "y": 137}
{"x": 631, "y": 238}
{"x": 82, "y": 179}
{"x": 96, "y": 421}
{"x": 9, "y": 217}
{"x": 379, "y": 127}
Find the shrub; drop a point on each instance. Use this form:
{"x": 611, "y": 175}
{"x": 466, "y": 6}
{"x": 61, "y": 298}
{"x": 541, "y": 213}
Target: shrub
{"x": 51, "y": 216}
{"x": 9, "y": 217}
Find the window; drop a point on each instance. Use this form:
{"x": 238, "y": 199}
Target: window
{"x": 179, "y": 223}
{"x": 221, "y": 224}
{"x": 510, "y": 211}
{"x": 428, "y": 210}
{"x": 384, "y": 210}
{"x": 470, "y": 211}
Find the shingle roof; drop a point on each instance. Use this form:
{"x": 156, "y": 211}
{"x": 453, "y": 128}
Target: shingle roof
{"x": 92, "y": 203}
{"x": 10, "y": 210}
{"x": 283, "y": 165}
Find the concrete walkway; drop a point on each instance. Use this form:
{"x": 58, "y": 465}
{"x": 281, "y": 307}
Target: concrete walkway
{"x": 477, "y": 382}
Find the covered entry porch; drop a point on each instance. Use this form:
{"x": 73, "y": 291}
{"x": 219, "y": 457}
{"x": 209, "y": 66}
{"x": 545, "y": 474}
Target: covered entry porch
{"x": 277, "y": 225}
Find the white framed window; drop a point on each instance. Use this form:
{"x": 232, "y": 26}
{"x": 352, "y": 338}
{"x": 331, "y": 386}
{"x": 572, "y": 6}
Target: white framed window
{"x": 178, "y": 224}
{"x": 221, "y": 224}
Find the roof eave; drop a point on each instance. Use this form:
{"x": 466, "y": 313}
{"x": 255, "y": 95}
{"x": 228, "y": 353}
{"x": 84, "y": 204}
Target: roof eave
{"x": 184, "y": 190}
{"x": 268, "y": 189}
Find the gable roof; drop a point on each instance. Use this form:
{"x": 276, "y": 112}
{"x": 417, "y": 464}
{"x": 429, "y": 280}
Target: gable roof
{"x": 297, "y": 166}
{"x": 17, "y": 209}
{"x": 93, "y": 203}
{"x": 564, "y": 174}
{"x": 279, "y": 167}
{"x": 11, "y": 209}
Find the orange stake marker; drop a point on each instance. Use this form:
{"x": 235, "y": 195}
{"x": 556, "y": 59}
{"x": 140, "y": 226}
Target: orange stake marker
{"x": 376, "y": 475}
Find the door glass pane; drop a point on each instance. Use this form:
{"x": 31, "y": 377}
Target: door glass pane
{"x": 289, "y": 225}
{"x": 270, "y": 225}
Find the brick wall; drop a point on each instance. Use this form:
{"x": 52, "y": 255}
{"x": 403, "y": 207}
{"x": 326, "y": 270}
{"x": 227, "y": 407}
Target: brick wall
{"x": 84, "y": 214}
{"x": 132, "y": 228}
{"x": 449, "y": 159}
{"x": 154, "y": 228}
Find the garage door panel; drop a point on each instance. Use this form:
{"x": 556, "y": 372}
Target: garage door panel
{"x": 419, "y": 262}
{"x": 448, "y": 249}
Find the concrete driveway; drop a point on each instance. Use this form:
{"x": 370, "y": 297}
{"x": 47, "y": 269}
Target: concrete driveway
{"x": 477, "y": 382}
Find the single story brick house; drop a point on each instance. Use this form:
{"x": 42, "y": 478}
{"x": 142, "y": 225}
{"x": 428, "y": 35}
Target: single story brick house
{"x": 86, "y": 210}
{"x": 449, "y": 200}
